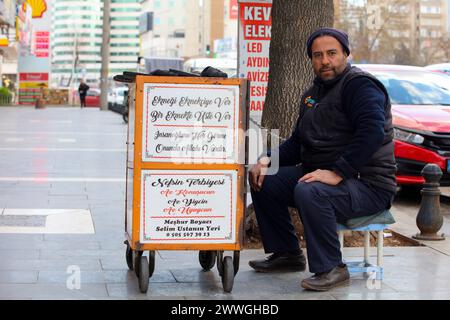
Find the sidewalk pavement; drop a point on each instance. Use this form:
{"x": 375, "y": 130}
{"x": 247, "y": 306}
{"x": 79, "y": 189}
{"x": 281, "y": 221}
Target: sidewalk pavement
{"x": 63, "y": 168}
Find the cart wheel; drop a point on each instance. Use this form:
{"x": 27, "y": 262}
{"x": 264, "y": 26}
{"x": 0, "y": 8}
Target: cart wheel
{"x": 129, "y": 257}
{"x": 143, "y": 274}
{"x": 137, "y": 261}
{"x": 220, "y": 262}
{"x": 151, "y": 263}
{"x": 228, "y": 274}
{"x": 207, "y": 259}
{"x": 236, "y": 257}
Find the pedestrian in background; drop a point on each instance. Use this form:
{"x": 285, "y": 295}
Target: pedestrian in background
{"x": 82, "y": 91}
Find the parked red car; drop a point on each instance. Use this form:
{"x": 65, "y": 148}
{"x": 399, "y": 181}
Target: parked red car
{"x": 421, "y": 116}
{"x": 93, "y": 98}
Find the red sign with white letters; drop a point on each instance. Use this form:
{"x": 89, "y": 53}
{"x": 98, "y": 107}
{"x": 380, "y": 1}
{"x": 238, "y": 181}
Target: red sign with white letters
{"x": 234, "y": 10}
{"x": 255, "y": 26}
{"x": 33, "y": 76}
{"x": 256, "y": 20}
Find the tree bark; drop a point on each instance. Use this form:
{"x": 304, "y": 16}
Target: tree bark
{"x": 290, "y": 71}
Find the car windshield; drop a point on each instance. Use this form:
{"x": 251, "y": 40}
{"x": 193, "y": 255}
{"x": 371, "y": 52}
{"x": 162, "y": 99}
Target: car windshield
{"x": 93, "y": 93}
{"x": 415, "y": 87}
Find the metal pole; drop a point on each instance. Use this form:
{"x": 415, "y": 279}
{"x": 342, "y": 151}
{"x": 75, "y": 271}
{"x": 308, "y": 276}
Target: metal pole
{"x": 105, "y": 56}
{"x": 366, "y": 248}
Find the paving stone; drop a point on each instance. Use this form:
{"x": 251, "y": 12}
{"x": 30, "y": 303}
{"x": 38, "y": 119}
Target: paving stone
{"x": 18, "y": 277}
{"x": 49, "y": 265}
{"x": 130, "y": 291}
{"x": 5, "y": 237}
{"x": 19, "y": 254}
{"x": 194, "y": 275}
{"x": 52, "y": 291}
{"x": 68, "y": 245}
{"x": 162, "y": 290}
{"x": 31, "y": 203}
{"x": 5, "y": 186}
{"x": 32, "y": 186}
{"x": 68, "y": 188}
{"x": 66, "y": 203}
{"x": 434, "y": 295}
{"x": 364, "y": 285}
{"x": 126, "y": 276}
{"x": 47, "y": 245}
{"x": 246, "y": 274}
{"x": 108, "y": 245}
{"x": 69, "y": 237}
{"x": 113, "y": 263}
{"x": 420, "y": 284}
{"x": 78, "y": 254}
{"x": 86, "y": 277}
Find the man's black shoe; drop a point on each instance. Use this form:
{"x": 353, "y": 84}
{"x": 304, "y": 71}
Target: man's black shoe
{"x": 280, "y": 262}
{"x": 338, "y": 276}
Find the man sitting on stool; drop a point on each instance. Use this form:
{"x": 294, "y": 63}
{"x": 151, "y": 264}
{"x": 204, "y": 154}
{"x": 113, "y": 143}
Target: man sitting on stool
{"x": 338, "y": 164}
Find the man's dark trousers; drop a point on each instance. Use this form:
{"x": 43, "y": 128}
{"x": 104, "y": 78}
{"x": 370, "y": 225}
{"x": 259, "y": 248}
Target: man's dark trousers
{"x": 320, "y": 207}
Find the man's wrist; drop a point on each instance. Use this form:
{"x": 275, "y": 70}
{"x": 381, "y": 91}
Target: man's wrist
{"x": 265, "y": 161}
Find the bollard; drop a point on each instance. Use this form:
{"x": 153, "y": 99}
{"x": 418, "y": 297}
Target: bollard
{"x": 429, "y": 219}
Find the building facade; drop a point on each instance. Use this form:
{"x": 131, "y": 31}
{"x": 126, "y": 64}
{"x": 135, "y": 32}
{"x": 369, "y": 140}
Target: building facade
{"x": 165, "y": 35}
{"x": 77, "y": 39}
{"x": 402, "y": 31}
{"x": 8, "y": 44}
{"x": 124, "y": 35}
{"x": 187, "y": 28}
{"x": 431, "y": 31}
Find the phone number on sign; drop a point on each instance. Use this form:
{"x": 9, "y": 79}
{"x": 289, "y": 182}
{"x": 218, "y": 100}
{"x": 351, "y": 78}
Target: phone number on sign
{"x": 188, "y": 234}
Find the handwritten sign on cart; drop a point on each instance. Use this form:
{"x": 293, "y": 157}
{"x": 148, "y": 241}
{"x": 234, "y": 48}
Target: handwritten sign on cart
{"x": 195, "y": 206}
{"x": 190, "y": 123}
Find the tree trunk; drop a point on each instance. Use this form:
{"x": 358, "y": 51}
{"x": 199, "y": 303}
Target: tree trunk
{"x": 290, "y": 71}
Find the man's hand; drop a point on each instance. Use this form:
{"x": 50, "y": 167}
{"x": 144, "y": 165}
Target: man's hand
{"x": 324, "y": 176}
{"x": 257, "y": 173}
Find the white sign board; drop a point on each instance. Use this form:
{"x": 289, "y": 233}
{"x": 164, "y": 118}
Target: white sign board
{"x": 190, "y": 123}
{"x": 255, "y": 26}
{"x": 188, "y": 206}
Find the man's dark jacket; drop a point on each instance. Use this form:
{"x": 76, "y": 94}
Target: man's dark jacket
{"x": 345, "y": 125}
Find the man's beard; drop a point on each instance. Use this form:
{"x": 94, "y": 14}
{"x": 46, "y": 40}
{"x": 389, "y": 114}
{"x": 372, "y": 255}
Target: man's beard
{"x": 332, "y": 73}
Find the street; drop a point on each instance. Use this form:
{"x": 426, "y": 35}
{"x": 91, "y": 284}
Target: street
{"x": 62, "y": 198}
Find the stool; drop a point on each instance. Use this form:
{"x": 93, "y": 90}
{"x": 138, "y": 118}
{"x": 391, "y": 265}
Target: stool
{"x": 365, "y": 266}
